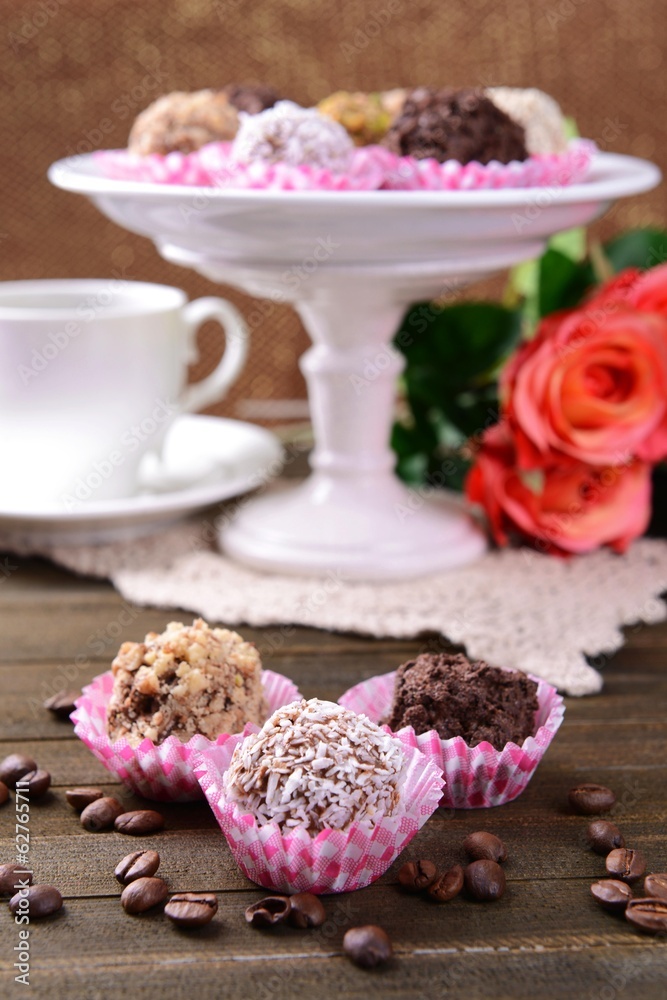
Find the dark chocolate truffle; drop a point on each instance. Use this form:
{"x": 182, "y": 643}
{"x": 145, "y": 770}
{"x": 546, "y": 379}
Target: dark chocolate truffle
{"x": 459, "y": 697}
{"x": 252, "y": 97}
{"x": 461, "y": 125}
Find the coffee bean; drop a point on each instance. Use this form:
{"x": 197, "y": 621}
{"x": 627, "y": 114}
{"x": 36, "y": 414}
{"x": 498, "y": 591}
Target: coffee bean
{"x": 590, "y": 799}
{"x": 79, "y": 798}
{"x": 268, "y": 911}
{"x": 648, "y": 915}
{"x": 655, "y": 885}
{"x": 10, "y": 874}
{"x": 485, "y": 846}
{"x": 139, "y": 822}
{"x": 604, "y": 836}
{"x": 38, "y": 783}
{"x": 13, "y": 768}
{"x": 143, "y": 894}
{"x": 367, "y": 946}
{"x": 192, "y": 909}
{"x": 626, "y": 864}
{"x": 101, "y": 814}
{"x": 43, "y": 900}
{"x": 611, "y": 894}
{"x": 306, "y": 910}
{"x": 138, "y": 864}
{"x": 417, "y": 875}
{"x": 485, "y": 880}
{"x": 4, "y": 793}
{"x": 62, "y": 704}
{"x": 447, "y": 886}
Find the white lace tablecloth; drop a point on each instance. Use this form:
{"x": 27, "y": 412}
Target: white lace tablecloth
{"x": 515, "y": 608}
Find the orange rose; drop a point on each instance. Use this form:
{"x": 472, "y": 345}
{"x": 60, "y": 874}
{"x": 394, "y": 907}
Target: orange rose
{"x": 564, "y": 507}
{"x": 592, "y": 384}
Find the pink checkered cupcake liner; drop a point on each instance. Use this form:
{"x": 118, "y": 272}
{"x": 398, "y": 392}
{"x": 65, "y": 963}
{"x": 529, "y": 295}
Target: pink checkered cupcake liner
{"x": 404, "y": 173}
{"x": 164, "y": 771}
{"x": 334, "y": 860}
{"x": 475, "y": 777}
{"x": 212, "y": 166}
{"x": 371, "y": 167}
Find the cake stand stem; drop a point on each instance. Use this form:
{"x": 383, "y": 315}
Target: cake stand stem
{"x": 352, "y": 516}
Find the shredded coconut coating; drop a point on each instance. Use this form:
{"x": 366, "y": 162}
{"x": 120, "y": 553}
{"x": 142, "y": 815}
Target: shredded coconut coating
{"x": 189, "y": 679}
{"x": 185, "y": 122}
{"x": 317, "y": 765}
{"x": 290, "y": 134}
{"x": 538, "y": 113}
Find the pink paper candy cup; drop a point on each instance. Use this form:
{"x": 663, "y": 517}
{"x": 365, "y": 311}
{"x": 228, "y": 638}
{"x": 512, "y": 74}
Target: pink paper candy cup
{"x": 334, "y": 860}
{"x": 475, "y": 777}
{"x": 405, "y": 173}
{"x": 164, "y": 771}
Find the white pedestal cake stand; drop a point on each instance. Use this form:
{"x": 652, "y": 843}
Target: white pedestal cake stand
{"x": 351, "y": 263}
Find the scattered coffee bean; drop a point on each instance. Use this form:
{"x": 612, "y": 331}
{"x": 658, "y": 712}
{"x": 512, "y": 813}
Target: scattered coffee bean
{"x": 604, "y": 836}
{"x": 590, "y": 799}
{"x": 62, "y": 704}
{"x": 611, "y": 894}
{"x": 143, "y": 894}
{"x": 139, "y": 822}
{"x": 447, "y": 886}
{"x": 138, "y": 864}
{"x": 485, "y": 846}
{"x": 38, "y": 782}
{"x": 485, "y": 880}
{"x": 367, "y": 946}
{"x": 268, "y": 911}
{"x": 13, "y": 768}
{"x": 655, "y": 885}
{"x": 10, "y": 875}
{"x": 4, "y": 793}
{"x": 101, "y": 814}
{"x": 192, "y": 909}
{"x": 648, "y": 915}
{"x": 417, "y": 875}
{"x": 79, "y": 798}
{"x": 625, "y": 864}
{"x": 43, "y": 900}
{"x": 306, "y": 910}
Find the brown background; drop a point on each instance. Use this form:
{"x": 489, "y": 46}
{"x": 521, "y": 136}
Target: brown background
{"x": 71, "y": 68}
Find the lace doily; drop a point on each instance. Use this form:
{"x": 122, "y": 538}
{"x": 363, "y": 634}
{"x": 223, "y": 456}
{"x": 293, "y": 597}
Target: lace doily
{"x": 515, "y": 607}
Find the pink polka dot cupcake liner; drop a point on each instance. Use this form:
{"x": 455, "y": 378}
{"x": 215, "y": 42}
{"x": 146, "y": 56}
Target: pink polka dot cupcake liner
{"x": 404, "y": 173}
{"x": 333, "y": 860}
{"x": 475, "y": 777}
{"x": 371, "y": 168}
{"x": 160, "y": 771}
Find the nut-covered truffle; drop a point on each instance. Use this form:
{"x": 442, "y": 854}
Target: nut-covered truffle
{"x": 538, "y": 114}
{"x": 184, "y": 122}
{"x": 461, "y": 125}
{"x": 458, "y": 697}
{"x": 316, "y": 765}
{"x": 364, "y": 116}
{"x": 189, "y": 679}
{"x": 290, "y": 134}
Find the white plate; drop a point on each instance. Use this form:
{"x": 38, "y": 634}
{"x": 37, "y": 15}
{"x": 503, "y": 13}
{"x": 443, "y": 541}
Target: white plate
{"x": 206, "y": 460}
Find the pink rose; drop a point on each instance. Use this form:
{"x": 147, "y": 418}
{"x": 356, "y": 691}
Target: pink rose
{"x": 564, "y": 507}
{"x": 592, "y": 384}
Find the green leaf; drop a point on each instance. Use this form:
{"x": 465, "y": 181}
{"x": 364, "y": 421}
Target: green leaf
{"x": 641, "y": 248}
{"x": 562, "y": 282}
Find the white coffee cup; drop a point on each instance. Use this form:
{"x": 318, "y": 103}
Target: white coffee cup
{"x": 92, "y": 374}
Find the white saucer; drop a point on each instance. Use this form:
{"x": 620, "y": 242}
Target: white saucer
{"x": 205, "y": 460}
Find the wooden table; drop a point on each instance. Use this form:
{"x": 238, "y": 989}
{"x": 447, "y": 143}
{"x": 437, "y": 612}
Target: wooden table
{"x": 545, "y": 938}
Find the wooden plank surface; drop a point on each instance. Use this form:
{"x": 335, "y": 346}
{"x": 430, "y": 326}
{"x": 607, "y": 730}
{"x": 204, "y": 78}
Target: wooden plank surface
{"x": 545, "y": 938}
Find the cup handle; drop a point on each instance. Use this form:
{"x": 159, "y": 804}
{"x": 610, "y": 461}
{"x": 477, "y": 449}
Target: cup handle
{"x": 212, "y": 388}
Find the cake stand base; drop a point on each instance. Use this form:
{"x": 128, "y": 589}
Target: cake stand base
{"x": 363, "y": 529}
